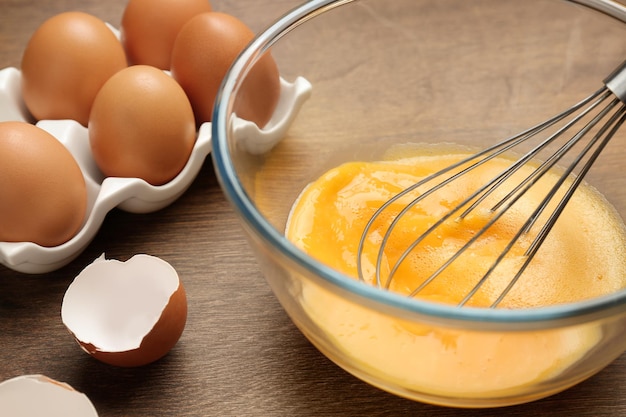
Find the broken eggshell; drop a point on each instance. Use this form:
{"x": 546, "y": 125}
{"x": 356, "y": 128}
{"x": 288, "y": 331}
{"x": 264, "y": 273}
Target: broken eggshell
{"x": 127, "y": 313}
{"x": 38, "y": 395}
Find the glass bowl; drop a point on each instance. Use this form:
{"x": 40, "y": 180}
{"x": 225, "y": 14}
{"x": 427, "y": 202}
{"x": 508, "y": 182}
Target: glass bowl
{"x": 386, "y": 73}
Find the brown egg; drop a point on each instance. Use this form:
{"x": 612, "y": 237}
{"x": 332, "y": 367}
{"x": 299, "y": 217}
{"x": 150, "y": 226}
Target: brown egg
{"x": 66, "y": 61}
{"x": 204, "y": 51}
{"x": 141, "y": 125}
{"x": 149, "y": 28}
{"x": 43, "y": 196}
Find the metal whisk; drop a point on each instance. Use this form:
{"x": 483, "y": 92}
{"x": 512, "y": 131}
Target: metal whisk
{"x": 593, "y": 121}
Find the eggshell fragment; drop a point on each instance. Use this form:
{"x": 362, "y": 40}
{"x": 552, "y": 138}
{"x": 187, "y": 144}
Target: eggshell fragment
{"x": 38, "y": 395}
{"x": 126, "y": 313}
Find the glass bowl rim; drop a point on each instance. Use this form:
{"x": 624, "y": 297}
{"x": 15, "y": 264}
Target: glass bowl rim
{"x": 483, "y": 318}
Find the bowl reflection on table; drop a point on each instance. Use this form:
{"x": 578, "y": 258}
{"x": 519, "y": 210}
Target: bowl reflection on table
{"x": 388, "y": 73}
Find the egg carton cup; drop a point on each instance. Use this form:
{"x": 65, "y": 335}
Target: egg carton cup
{"x": 129, "y": 194}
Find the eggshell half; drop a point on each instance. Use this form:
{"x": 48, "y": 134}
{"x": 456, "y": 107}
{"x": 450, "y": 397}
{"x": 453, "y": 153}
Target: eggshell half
{"x": 126, "y": 313}
{"x": 38, "y": 395}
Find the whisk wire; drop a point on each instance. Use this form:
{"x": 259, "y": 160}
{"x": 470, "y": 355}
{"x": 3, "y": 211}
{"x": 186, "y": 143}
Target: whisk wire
{"x": 522, "y": 161}
{"x": 618, "y": 117}
{"x": 490, "y": 153}
{"x": 582, "y": 110}
{"x": 562, "y": 151}
{"x": 617, "y": 120}
{"x": 614, "y": 124}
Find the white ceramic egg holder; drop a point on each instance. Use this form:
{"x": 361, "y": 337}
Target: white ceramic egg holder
{"x": 129, "y": 194}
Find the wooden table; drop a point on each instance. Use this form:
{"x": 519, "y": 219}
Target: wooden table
{"x": 240, "y": 355}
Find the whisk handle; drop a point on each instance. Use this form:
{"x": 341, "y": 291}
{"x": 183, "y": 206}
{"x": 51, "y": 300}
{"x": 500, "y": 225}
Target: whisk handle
{"x": 616, "y": 82}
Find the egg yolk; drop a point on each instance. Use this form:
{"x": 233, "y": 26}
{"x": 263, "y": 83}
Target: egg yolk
{"x": 584, "y": 256}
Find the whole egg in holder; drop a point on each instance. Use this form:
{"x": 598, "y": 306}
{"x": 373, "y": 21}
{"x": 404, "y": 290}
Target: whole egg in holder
{"x": 204, "y": 50}
{"x": 66, "y": 61}
{"x": 149, "y": 28}
{"x": 43, "y": 196}
{"x": 142, "y": 126}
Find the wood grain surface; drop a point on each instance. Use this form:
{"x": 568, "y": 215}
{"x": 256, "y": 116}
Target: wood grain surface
{"x": 240, "y": 355}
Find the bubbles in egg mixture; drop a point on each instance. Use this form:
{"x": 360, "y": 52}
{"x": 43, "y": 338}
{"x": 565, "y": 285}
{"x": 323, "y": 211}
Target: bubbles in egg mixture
{"x": 584, "y": 256}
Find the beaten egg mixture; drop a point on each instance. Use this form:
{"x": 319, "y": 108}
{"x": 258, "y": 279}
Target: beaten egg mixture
{"x": 584, "y": 256}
